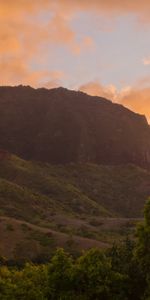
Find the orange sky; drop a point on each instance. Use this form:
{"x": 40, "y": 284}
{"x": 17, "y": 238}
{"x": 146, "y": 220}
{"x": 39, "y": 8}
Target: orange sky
{"x": 35, "y": 34}
{"x": 135, "y": 98}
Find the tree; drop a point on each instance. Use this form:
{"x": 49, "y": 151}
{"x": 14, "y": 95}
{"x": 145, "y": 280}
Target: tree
{"x": 60, "y": 276}
{"x": 143, "y": 240}
{"x": 124, "y": 261}
{"x": 142, "y": 252}
{"x": 95, "y": 278}
{"x": 29, "y": 283}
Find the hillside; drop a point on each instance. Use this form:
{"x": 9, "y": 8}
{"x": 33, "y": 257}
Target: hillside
{"x": 75, "y": 206}
{"x": 79, "y": 176}
{"x": 61, "y": 126}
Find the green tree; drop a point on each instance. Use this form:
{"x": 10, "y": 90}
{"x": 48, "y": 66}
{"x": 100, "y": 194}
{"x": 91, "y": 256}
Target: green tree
{"x": 142, "y": 252}
{"x": 29, "y": 283}
{"x": 124, "y": 261}
{"x": 143, "y": 240}
{"x": 60, "y": 276}
{"x": 95, "y": 278}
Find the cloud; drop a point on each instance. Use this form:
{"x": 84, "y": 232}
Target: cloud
{"x": 146, "y": 61}
{"x": 19, "y": 8}
{"x": 25, "y": 36}
{"x": 109, "y": 91}
{"x": 17, "y": 71}
{"x": 52, "y": 79}
{"x": 138, "y": 100}
{"x": 97, "y": 89}
{"x": 134, "y": 98}
{"x": 29, "y": 28}
{"x": 109, "y": 6}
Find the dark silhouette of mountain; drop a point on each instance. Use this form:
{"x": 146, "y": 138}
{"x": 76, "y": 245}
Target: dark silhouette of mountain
{"x": 41, "y": 204}
{"x": 61, "y": 126}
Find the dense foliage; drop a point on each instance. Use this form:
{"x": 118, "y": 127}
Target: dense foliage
{"x": 120, "y": 273}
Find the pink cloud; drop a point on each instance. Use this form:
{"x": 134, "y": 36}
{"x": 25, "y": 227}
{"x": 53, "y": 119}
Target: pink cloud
{"x": 135, "y": 98}
{"x": 22, "y": 37}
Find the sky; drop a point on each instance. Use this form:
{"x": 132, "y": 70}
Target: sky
{"x": 99, "y": 47}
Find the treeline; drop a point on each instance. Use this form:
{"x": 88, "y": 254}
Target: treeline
{"x": 120, "y": 273}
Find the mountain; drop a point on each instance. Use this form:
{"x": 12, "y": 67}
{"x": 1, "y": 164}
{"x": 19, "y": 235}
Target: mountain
{"x": 74, "y": 171}
{"x": 76, "y": 206}
{"x": 60, "y": 126}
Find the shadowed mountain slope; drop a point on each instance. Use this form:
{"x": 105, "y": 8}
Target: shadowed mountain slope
{"x": 61, "y": 126}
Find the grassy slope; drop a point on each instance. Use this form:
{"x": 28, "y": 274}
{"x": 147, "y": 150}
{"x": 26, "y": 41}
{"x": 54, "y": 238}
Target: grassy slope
{"x": 75, "y": 200}
{"x": 37, "y": 191}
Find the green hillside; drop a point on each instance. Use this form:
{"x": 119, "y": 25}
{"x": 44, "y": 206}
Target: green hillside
{"x": 95, "y": 203}
{"x": 42, "y": 190}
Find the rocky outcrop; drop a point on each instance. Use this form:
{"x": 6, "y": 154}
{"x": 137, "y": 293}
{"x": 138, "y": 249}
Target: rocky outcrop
{"x": 61, "y": 126}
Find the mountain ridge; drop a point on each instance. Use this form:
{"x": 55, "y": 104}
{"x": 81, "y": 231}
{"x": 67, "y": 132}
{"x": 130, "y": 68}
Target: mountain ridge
{"x": 36, "y": 123}
{"x": 61, "y": 88}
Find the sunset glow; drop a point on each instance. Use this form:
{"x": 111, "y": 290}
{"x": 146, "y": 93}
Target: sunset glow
{"x": 99, "y": 47}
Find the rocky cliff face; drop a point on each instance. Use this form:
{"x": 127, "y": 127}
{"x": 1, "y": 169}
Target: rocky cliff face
{"x": 61, "y": 126}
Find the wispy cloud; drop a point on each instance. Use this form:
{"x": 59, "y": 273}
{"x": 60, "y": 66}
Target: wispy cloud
{"x": 135, "y": 98}
{"x": 25, "y": 35}
{"x": 95, "y": 88}
{"x": 110, "y": 91}
{"x": 25, "y": 39}
{"x": 146, "y": 61}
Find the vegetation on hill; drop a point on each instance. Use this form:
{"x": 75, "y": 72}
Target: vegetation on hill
{"x": 78, "y": 190}
{"x": 120, "y": 273}
{"x": 75, "y": 206}
{"x": 86, "y": 196}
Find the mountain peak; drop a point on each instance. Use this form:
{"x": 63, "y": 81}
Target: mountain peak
{"x": 62, "y": 126}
